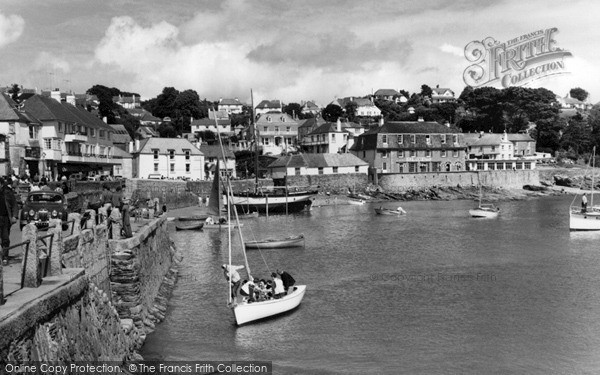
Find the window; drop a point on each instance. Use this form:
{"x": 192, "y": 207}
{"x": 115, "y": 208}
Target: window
{"x": 412, "y": 138}
{"x": 92, "y": 132}
{"x": 60, "y": 127}
{"x": 48, "y": 143}
{"x": 187, "y": 168}
{"x": 412, "y": 167}
{"x": 187, "y": 154}
{"x": 155, "y": 152}
{"x": 384, "y": 154}
{"x": 427, "y": 153}
{"x": 384, "y": 166}
{"x": 172, "y": 167}
{"x": 333, "y": 137}
{"x": 527, "y": 165}
{"x": 356, "y": 168}
{"x": 155, "y": 167}
{"x": 493, "y": 148}
{"x": 33, "y": 132}
{"x": 454, "y": 138}
{"x": 312, "y": 138}
{"x": 297, "y": 171}
{"x": 400, "y": 139}
{"x": 171, "y": 154}
{"x": 265, "y": 128}
{"x": 384, "y": 138}
{"x": 101, "y": 133}
{"x": 455, "y": 153}
{"x": 436, "y": 166}
{"x": 443, "y": 153}
{"x": 427, "y": 139}
{"x": 269, "y": 118}
{"x": 443, "y": 139}
{"x": 288, "y": 129}
{"x": 320, "y": 170}
{"x": 335, "y": 169}
{"x": 491, "y": 166}
{"x": 277, "y": 129}
{"x": 401, "y": 153}
{"x": 480, "y": 166}
{"x": 412, "y": 153}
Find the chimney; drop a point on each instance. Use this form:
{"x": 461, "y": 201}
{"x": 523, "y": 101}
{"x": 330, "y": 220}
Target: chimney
{"x": 105, "y": 119}
{"x": 421, "y": 119}
{"x": 130, "y": 147}
{"x": 137, "y": 145}
{"x": 447, "y": 123}
{"x": 481, "y": 134}
{"x": 339, "y": 125}
{"x": 55, "y": 94}
{"x": 381, "y": 122}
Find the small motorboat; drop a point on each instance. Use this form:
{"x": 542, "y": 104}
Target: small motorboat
{"x": 389, "y": 211}
{"x": 357, "y": 202}
{"x": 195, "y": 226}
{"x": 295, "y": 241}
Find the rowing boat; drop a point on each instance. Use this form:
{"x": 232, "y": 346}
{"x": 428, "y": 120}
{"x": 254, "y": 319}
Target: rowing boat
{"x": 294, "y": 241}
{"x": 194, "y": 226}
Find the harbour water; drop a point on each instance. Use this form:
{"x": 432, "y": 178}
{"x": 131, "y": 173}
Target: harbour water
{"x": 431, "y": 292}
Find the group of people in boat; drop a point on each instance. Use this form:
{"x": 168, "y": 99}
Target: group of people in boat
{"x": 258, "y": 290}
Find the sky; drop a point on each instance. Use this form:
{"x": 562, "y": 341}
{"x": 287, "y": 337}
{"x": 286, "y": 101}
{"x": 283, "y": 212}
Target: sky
{"x": 293, "y": 51}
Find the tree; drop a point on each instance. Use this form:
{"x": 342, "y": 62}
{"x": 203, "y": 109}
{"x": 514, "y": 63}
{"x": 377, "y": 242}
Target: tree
{"x": 105, "y": 97}
{"x": 332, "y": 112}
{"x": 350, "y": 110}
{"x": 293, "y": 109}
{"x": 14, "y": 91}
{"x": 167, "y": 130}
{"x": 579, "y": 94}
{"x": 426, "y": 91}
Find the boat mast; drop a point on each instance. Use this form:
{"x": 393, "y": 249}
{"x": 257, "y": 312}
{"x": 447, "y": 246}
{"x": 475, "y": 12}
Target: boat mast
{"x": 229, "y": 203}
{"x": 593, "y": 166}
{"x": 255, "y": 142}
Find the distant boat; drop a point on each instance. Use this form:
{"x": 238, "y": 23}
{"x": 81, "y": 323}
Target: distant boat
{"x": 388, "y": 211}
{"x": 295, "y": 241}
{"x": 196, "y": 226}
{"x": 222, "y": 226}
{"x": 193, "y": 218}
{"x": 485, "y": 210}
{"x": 356, "y": 202}
{"x": 588, "y": 218}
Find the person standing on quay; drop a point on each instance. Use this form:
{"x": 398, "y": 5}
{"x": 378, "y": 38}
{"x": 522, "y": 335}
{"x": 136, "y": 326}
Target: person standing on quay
{"x": 8, "y": 216}
{"x": 584, "y": 203}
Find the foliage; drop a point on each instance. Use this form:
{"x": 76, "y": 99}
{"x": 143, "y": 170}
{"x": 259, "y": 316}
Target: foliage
{"x": 14, "y": 91}
{"x": 293, "y": 109}
{"x": 350, "y": 110}
{"x": 579, "y": 94}
{"x": 426, "y": 91}
{"x": 166, "y": 130}
{"x": 332, "y": 112}
{"x": 105, "y": 97}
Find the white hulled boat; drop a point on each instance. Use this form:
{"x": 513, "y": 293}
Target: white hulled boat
{"x": 484, "y": 210}
{"x": 584, "y": 218}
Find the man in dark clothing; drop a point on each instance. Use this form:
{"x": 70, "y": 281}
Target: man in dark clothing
{"x": 8, "y": 216}
{"x": 288, "y": 280}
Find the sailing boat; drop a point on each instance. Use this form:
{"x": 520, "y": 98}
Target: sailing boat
{"x": 277, "y": 199}
{"x": 585, "y": 219}
{"x": 486, "y": 210}
{"x": 244, "y": 311}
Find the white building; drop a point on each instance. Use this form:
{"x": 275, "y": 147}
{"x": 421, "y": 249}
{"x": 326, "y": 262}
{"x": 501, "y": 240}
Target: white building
{"x": 171, "y": 158}
{"x": 277, "y": 133}
{"x": 317, "y": 164}
{"x": 332, "y": 137}
{"x": 212, "y": 153}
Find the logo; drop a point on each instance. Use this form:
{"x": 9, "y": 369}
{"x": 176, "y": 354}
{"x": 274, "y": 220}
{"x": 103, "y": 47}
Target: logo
{"x": 516, "y": 62}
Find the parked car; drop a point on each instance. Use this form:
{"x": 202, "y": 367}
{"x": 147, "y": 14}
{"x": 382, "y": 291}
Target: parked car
{"x": 42, "y": 205}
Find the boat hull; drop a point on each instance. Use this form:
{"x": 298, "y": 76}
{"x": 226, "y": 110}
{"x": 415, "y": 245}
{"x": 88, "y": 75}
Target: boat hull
{"x": 356, "y": 202}
{"x": 250, "y": 312}
{"x": 189, "y": 226}
{"x": 477, "y": 212}
{"x": 387, "y": 211}
{"x": 275, "y": 204}
{"x": 276, "y": 244}
{"x": 579, "y": 221}
{"x": 221, "y": 226}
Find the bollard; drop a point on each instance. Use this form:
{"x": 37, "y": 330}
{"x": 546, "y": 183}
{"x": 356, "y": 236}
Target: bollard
{"x": 116, "y": 224}
{"x": 57, "y": 248}
{"x": 33, "y": 273}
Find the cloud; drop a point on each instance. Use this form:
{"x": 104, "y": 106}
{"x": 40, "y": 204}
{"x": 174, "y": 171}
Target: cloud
{"x": 11, "y": 28}
{"x": 456, "y": 51}
{"x": 46, "y": 61}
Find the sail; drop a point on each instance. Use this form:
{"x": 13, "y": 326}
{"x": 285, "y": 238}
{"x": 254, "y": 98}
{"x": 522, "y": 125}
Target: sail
{"x": 215, "y": 201}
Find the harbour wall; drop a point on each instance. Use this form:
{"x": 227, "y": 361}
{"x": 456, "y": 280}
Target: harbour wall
{"x": 332, "y": 183}
{"x": 101, "y": 307}
{"x": 395, "y": 183}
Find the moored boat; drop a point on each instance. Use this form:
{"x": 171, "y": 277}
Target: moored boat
{"x": 275, "y": 200}
{"x": 294, "y": 241}
{"x": 195, "y": 226}
{"x": 584, "y": 218}
{"x": 249, "y": 312}
{"x": 193, "y": 218}
{"x": 357, "y": 202}
{"x": 485, "y": 210}
{"x": 389, "y": 211}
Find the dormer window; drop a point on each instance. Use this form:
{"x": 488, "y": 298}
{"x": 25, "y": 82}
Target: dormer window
{"x": 269, "y": 118}
{"x": 282, "y": 118}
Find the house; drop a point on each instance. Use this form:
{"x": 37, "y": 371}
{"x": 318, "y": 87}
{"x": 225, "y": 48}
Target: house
{"x": 145, "y": 117}
{"x": 316, "y": 164}
{"x": 144, "y": 132}
{"x": 230, "y": 106}
{"x": 331, "y": 137}
{"x": 569, "y": 103}
{"x": 412, "y": 147}
{"x": 386, "y": 94}
{"x": 128, "y": 102}
{"x": 124, "y": 163}
{"x": 172, "y": 158}
{"x": 216, "y": 122}
{"x": 267, "y": 106}
{"x": 19, "y": 138}
{"x": 364, "y": 107}
{"x": 308, "y": 125}
{"x": 442, "y": 95}
{"x": 310, "y": 108}
{"x": 492, "y": 151}
{"x": 212, "y": 153}
{"x": 72, "y": 139}
{"x": 277, "y": 133}
{"x": 120, "y": 137}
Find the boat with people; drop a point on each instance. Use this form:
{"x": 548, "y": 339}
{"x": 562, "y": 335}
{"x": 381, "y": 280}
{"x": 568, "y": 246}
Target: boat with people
{"x": 294, "y": 241}
{"x": 586, "y": 218}
{"x": 388, "y": 211}
{"x": 193, "y": 226}
{"x": 248, "y": 309}
{"x": 484, "y": 210}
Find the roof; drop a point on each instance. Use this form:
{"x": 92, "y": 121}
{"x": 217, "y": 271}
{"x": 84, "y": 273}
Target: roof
{"x": 519, "y": 137}
{"x": 85, "y": 117}
{"x": 47, "y": 109}
{"x": 416, "y": 127}
{"x": 8, "y": 111}
{"x": 120, "y": 134}
{"x": 440, "y": 90}
{"x": 146, "y": 130}
{"x": 318, "y": 161}
{"x": 269, "y": 104}
{"x": 311, "y": 122}
{"x": 214, "y": 151}
{"x": 310, "y": 105}
{"x": 331, "y": 127}
{"x": 121, "y": 154}
{"x": 210, "y": 122}
{"x": 229, "y": 102}
{"x": 386, "y": 92}
{"x": 486, "y": 139}
{"x": 163, "y": 145}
